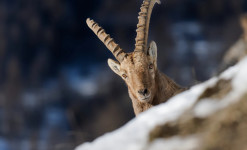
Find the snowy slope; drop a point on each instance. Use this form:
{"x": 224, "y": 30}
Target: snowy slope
{"x": 135, "y": 134}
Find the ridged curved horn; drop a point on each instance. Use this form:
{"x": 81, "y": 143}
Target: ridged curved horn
{"x": 107, "y": 40}
{"x": 143, "y": 24}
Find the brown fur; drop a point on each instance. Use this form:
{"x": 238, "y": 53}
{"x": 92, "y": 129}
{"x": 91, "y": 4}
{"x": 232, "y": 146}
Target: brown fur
{"x": 146, "y": 85}
{"x": 165, "y": 89}
{"x": 161, "y": 87}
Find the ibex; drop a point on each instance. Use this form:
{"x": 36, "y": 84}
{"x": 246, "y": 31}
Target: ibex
{"x": 147, "y": 86}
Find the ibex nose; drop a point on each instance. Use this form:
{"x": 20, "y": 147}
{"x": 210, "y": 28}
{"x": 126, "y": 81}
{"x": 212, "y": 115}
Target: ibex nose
{"x": 143, "y": 91}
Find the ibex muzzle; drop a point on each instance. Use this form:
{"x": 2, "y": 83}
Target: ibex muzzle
{"x": 146, "y": 85}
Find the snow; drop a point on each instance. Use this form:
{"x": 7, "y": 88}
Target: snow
{"x": 238, "y": 74}
{"x": 134, "y": 135}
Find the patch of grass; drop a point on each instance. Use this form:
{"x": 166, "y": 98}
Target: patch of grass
{"x": 228, "y": 129}
{"x": 219, "y": 91}
{"x": 183, "y": 127}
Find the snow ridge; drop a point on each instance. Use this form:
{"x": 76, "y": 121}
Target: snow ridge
{"x": 135, "y": 134}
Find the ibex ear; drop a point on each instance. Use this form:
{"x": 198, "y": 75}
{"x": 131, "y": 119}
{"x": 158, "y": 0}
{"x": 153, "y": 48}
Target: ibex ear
{"x": 152, "y": 51}
{"x": 114, "y": 65}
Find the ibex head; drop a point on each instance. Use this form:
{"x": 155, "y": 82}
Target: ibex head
{"x": 138, "y": 68}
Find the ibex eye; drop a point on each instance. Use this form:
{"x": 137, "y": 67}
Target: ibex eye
{"x": 124, "y": 75}
{"x": 151, "y": 66}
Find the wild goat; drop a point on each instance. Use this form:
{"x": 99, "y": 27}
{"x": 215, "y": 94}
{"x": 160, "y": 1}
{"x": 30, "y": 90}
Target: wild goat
{"x": 147, "y": 86}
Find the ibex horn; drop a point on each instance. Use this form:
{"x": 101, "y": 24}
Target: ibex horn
{"x": 107, "y": 40}
{"x": 143, "y": 24}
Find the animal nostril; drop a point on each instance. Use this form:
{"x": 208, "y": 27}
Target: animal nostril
{"x": 143, "y": 91}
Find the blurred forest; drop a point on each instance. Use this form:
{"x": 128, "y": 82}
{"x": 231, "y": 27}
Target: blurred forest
{"x": 56, "y": 90}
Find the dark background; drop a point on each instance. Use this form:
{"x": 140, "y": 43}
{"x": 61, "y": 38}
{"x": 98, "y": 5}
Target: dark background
{"x": 56, "y": 90}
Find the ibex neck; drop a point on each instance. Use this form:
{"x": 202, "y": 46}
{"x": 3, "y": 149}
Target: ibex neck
{"x": 165, "y": 88}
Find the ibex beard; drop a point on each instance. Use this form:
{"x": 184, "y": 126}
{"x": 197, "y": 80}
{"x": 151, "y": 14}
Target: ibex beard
{"x": 146, "y": 85}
